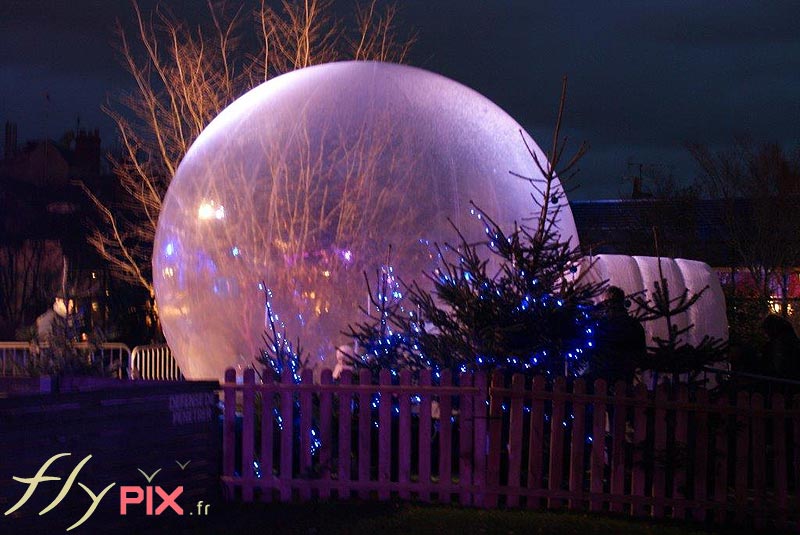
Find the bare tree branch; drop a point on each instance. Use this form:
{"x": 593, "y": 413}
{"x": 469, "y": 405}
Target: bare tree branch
{"x": 760, "y": 187}
{"x": 183, "y": 77}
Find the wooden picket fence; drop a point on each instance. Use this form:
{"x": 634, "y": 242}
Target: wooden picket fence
{"x": 513, "y": 442}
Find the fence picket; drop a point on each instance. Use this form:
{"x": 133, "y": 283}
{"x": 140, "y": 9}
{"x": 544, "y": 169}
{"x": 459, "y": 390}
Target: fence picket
{"x": 344, "y": 465}
{"x": 796, "y": 444}
{"x": 287, "y": 437}
{"x": 480, "y": 411}
{"x": 598, "y": 446}
{"x": 404, "y": 437}
{"x": 660, "y": 451}
{"x": 267, "y": 437}
{"x": 515, "y": 439}
{"x": 248, "y": 434}
{"x": 307, "y": 378}
{"x": 721, "y": 462}
{"x": 325, "y": 434}
{"x": 384, "y": 437}
{"x": 536, "y": 442}
{"x": 465, "y": 440}
{"x": 445, "y": 439}
{"x": 424, "y": 444}
{"x": 556, "y": 469}
{"x": 229, "y": 425}
{"x": 495, "y": 440}
{"x": 618, "y": 445}
{"x": 759, "y": 458}
{"x": 701, "y": 456}
{"x": 742, "y": 454}
{"x": 779, "y": 448}
{"x": 680, "y": 445}
{"x": 364, "y": 431}
{"x": 577, "y": 447}
{"x": 639, "y": 437}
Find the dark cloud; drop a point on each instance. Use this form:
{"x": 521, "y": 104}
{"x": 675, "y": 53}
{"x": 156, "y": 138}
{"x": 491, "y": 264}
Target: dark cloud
{"x": 733, "y": 22}
{"x": 644, "y": 77}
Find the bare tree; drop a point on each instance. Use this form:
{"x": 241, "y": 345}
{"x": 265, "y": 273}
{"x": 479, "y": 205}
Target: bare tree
{"x": 29, "y": 276}
{"x": 760, "y": 185}
{"x": 184, "y": 76}
{"x": 668, "y": 220}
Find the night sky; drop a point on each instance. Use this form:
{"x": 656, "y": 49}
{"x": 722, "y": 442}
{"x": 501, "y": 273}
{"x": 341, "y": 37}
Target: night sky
{"x": 644, "y": 77}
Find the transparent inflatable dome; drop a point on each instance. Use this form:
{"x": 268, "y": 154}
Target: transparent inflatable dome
{"x": 304, "y": 183}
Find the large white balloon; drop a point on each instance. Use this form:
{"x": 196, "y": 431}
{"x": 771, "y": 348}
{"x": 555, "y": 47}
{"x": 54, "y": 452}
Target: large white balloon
{"x": 305, "y": 182}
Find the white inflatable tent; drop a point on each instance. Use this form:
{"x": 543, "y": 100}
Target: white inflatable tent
{"x": 639, "y": 274}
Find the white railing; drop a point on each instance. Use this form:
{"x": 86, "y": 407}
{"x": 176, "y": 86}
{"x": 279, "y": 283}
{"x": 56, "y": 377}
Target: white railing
{"x": 154, "y": 362}
{"x": 16, "y": 356}
{"x": 114, "y": 356}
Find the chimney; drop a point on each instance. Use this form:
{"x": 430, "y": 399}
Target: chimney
{"x": 637, "y": 188}
{"x": 87, "y": 152}
{"x": 10, "y": 147}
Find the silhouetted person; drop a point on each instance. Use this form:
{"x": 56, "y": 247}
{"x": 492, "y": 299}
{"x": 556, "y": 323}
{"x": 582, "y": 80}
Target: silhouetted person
{"x": 47, "y": 323}
{"x": 781, "y": 356}
{"x": 619, "y": 341}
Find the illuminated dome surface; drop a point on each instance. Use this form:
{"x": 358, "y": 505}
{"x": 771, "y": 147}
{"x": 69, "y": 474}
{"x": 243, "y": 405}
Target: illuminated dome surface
{"x": 304, "y": 183}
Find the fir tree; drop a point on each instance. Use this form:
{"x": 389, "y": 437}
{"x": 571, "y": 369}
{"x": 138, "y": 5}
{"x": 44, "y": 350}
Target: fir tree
{"x": 279, "y": 353}
{"x": 673, "y": 355}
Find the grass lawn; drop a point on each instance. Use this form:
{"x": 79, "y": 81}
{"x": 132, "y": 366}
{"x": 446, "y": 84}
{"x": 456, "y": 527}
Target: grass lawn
{"x": 395, "y": 518}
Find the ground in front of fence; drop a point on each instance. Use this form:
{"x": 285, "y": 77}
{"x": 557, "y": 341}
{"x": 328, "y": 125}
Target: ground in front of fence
{"x": 332, "y": 518}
